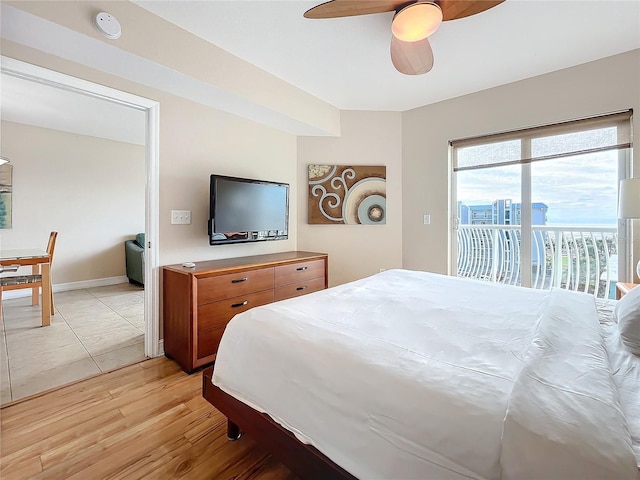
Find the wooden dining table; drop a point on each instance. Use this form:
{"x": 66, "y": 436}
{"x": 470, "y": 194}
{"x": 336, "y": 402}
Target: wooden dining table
{"x": 40, "y": 265}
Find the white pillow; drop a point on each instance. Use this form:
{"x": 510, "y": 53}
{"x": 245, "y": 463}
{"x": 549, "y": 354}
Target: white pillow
{"x": 627, "y": 312}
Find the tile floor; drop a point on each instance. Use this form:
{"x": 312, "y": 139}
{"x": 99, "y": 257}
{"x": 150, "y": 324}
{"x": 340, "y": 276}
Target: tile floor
{"x": 92, "y": 331}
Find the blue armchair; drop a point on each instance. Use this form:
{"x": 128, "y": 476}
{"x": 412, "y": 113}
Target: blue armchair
{"x": 134, "y": 257}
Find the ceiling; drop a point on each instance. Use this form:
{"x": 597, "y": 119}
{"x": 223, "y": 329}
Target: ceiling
{"x": 345, "y": 61}
{"x": 40, "y": 105}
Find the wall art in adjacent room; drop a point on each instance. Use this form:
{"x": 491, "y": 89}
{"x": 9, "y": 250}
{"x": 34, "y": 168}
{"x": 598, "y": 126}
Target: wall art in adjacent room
{"x": 6, "y": 171}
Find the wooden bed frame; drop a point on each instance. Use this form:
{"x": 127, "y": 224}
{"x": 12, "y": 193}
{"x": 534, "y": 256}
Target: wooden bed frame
{"x": 304, "y": 460}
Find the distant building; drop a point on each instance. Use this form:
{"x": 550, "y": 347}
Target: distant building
{"x": 500, "y": 212}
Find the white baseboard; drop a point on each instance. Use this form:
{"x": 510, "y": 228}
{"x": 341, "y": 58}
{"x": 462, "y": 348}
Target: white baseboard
{"x": 65, "y": 287}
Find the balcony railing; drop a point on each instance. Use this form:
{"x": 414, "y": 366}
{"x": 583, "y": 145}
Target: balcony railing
{"x": 575, "y": 258}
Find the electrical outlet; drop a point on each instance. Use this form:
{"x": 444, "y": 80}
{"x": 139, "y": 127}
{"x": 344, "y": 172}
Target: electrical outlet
{"x": 180, "y": 217}
{"x": 427, "y": 219}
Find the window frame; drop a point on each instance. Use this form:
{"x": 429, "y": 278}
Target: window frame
{"x": 622, "y": 120}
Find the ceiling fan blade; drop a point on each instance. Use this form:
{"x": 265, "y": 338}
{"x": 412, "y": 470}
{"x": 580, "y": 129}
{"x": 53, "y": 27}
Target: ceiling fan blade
{"x": 348, "y": 8}
{"x": 453, "y": 9}
{"x": 411, "y": 58}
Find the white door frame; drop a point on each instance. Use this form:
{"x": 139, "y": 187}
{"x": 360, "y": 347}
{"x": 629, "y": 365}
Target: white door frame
{"x": 151, "y": 108}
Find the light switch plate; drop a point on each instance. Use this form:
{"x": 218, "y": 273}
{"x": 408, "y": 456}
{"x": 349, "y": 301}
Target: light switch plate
{"x": 427, "y": 219}
{"x": 180, "y": 217}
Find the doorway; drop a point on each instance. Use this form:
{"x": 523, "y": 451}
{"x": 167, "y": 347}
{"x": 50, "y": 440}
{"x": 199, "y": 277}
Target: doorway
{"x": 150, "y": 110}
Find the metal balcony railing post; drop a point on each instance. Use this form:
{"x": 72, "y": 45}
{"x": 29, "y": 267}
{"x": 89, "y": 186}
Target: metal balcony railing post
{"x": 494, "y": 255}
{"x": 557, "y": 281}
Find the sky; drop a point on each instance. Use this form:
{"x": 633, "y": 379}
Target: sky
{"x": 579, "y": 190}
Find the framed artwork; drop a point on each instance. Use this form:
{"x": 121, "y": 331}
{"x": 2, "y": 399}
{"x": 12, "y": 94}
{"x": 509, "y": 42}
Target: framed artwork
{"x": 347, "y": 195}
{"x": 6, "y": 174}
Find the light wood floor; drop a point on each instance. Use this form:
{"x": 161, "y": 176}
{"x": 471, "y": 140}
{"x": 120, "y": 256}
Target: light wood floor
{"x": 145, "y": 421}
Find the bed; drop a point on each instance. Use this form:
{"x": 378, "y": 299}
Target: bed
{"x": 416, "y": 375}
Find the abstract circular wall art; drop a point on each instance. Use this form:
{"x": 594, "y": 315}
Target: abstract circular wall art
{"x": 347, "y": 195}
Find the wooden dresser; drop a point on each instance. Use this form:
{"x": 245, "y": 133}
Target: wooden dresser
{"x": 199, "y": 302}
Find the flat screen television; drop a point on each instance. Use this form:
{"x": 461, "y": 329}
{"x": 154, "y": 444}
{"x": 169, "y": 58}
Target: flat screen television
{"x": 246, "y": 210}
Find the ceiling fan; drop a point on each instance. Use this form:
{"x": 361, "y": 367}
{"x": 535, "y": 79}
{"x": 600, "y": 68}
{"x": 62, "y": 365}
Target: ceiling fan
{"x": 413, "y": 22}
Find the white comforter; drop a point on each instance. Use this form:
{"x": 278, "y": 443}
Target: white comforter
{"x": 415, "y": 375}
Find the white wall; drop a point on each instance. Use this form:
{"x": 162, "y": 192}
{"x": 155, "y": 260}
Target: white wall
{"x": 356, "y": 251}
{"x": 606, "y": 85}
{"x": 196, "y": 141}
{"x": 90, "y": 190}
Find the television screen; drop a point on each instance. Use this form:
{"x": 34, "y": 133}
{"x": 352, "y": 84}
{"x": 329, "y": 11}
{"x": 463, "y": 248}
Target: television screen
{"x": 246, "y": 210}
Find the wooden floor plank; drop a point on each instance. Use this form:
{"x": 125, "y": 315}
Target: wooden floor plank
{"x": 40, "y": 413}
{"x": 29, "y": 445}
{"x": 136, "y": 440}
{"x": 76, "y": 441}
{"x": 24, "y": 468}
{"x": 153, "y": 464}
{"x": 140, "y": 422}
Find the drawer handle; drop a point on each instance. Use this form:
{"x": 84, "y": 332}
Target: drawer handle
{"x": 239, "y": 280}
{"x": 302, "y": 288}
{"x": 241, "y": 304}
{"x": 301, "y": 269}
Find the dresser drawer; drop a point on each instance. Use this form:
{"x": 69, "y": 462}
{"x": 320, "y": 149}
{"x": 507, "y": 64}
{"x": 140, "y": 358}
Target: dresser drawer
{"x": 217, "y": 314}
{"x": 212, "y": 289}
{"x": 297, "y": 272}
{"x": 208, "y": 341}
{"x": 299, "y": 288}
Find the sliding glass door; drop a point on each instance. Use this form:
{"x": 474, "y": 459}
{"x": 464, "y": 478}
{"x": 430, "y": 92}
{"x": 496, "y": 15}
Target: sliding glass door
{"x": 538, "y": 207}
{"x": 488, "y": 244}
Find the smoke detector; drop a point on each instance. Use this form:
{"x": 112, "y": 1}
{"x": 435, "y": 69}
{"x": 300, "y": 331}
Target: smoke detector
{"x": 107, "y": 25}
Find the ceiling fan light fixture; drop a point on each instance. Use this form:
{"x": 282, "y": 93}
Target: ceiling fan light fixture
{"x": 416, "y": 21}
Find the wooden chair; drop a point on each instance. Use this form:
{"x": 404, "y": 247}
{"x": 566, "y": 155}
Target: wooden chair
{"x": 51, "y": 245}
{"x": 6, "y": 268}
{"x": 33, "y": 281}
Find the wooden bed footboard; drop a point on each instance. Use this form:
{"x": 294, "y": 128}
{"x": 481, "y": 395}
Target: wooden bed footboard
{"x": 304, "y": 460}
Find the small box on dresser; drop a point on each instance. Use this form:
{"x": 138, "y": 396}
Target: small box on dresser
{"x": 198, "y": 302}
